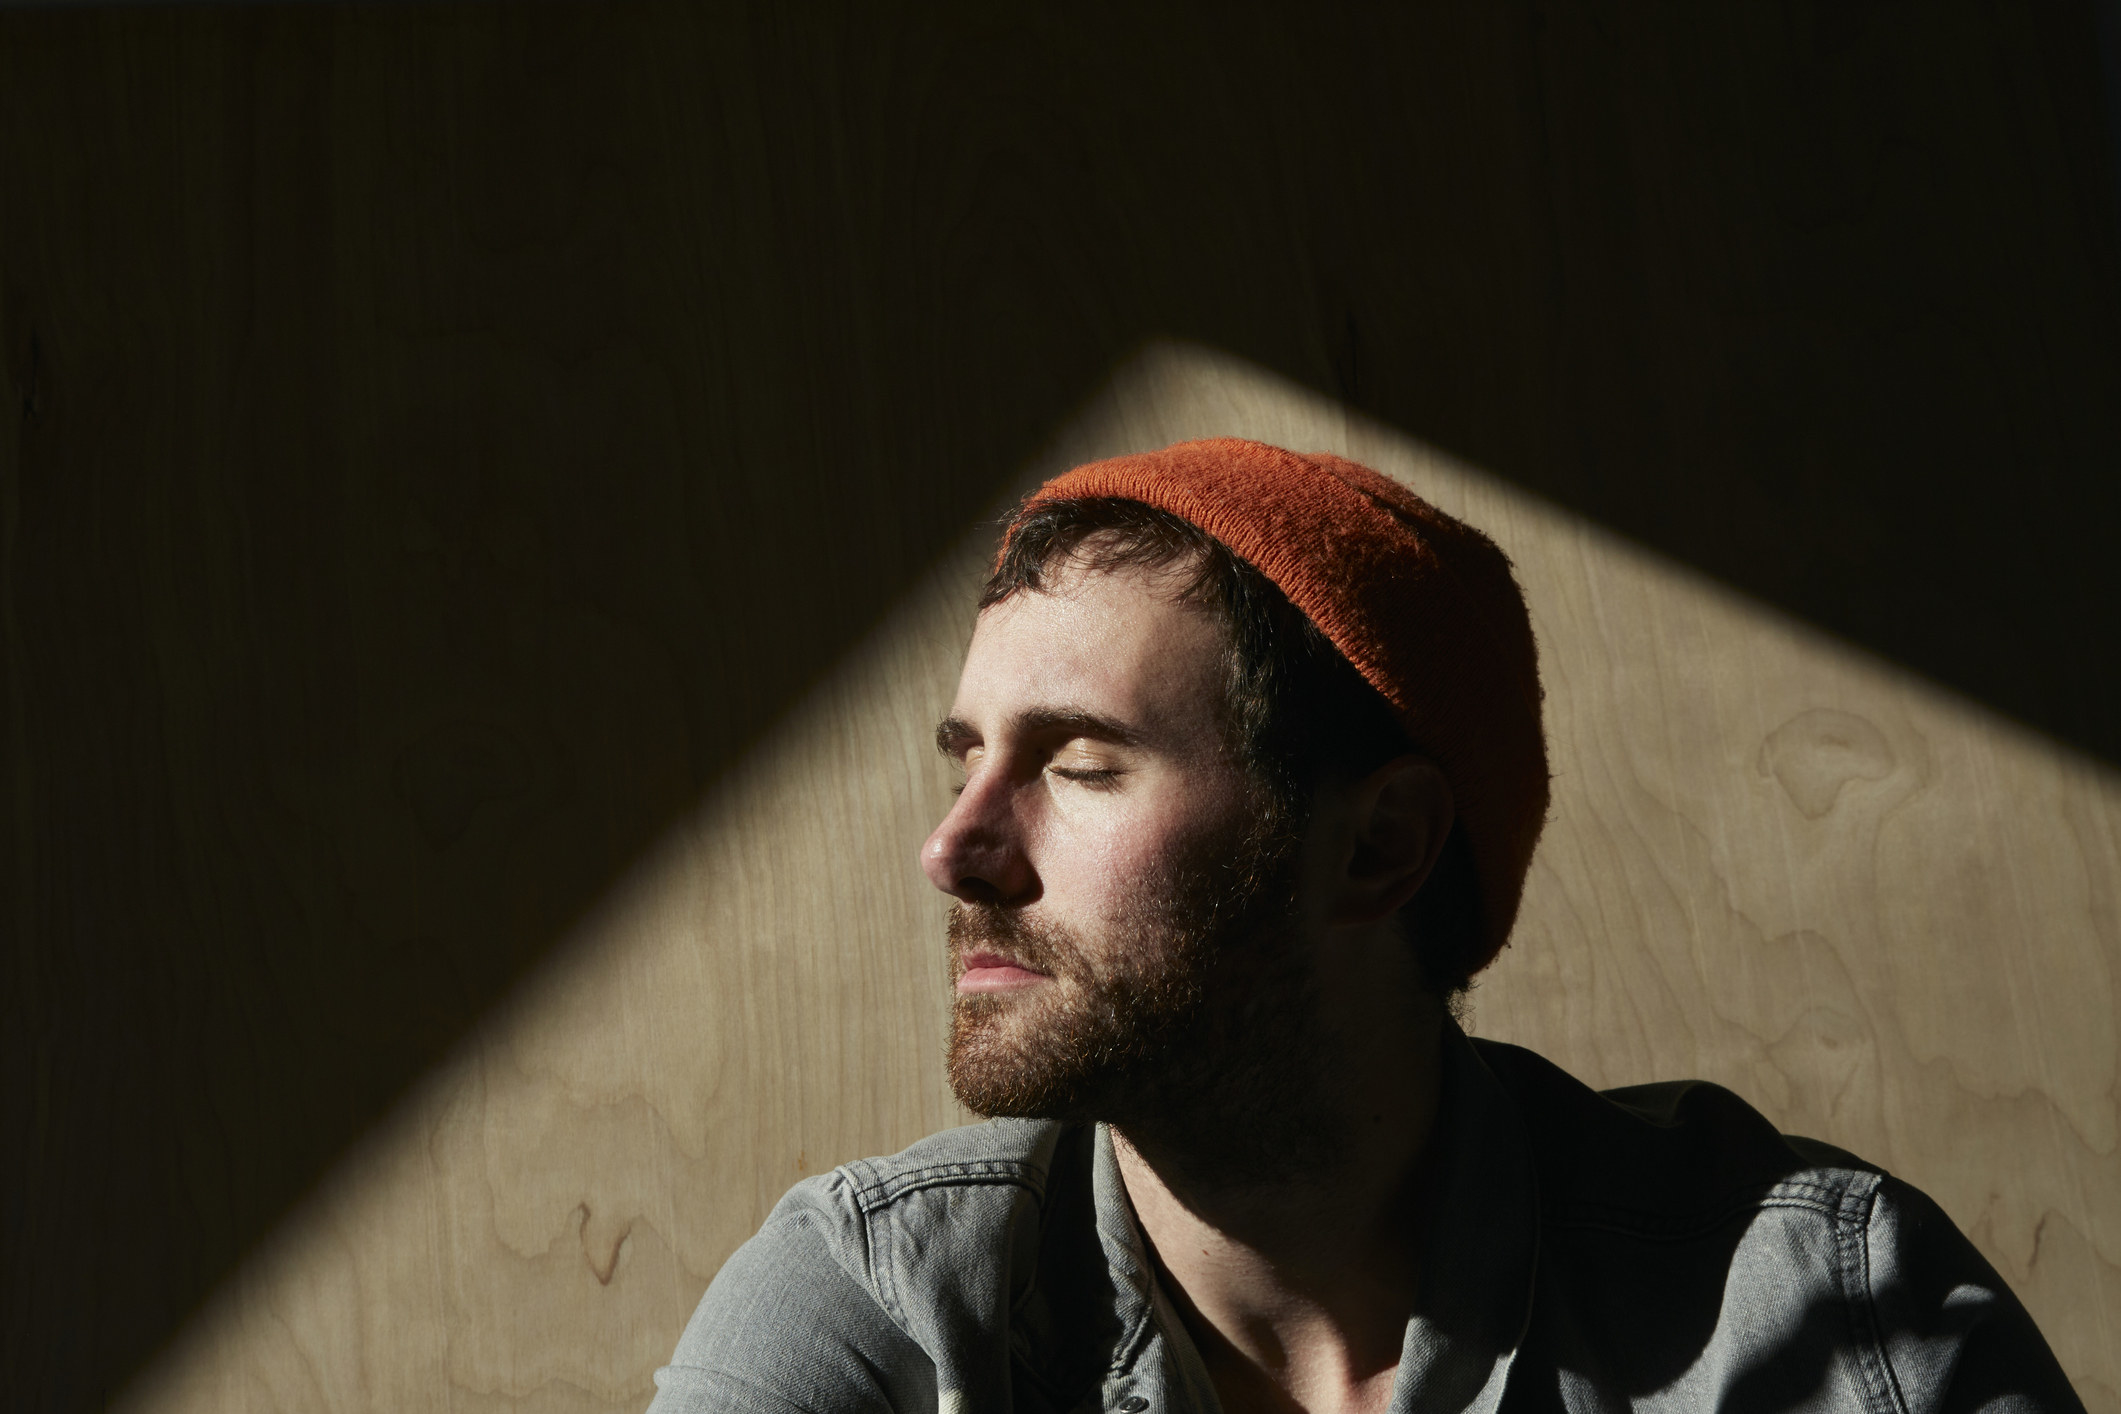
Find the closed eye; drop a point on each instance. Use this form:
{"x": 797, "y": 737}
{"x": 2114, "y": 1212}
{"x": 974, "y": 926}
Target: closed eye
{"x": 1101, "y": 777}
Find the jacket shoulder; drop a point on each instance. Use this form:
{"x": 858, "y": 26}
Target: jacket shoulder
{"x": 1677, "y": 1153}
{"x": 932, "y": 1221}
{"x": 1693, "y": 1249}
{"x": 999, "y": 1153}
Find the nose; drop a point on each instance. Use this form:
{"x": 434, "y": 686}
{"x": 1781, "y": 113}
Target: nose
{"x": 977, "y": 852}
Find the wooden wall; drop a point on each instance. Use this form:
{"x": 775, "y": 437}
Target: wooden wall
{"x": 488, "y": 515}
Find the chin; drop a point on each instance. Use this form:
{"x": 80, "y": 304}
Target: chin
{"x": 1009, "y": 1060}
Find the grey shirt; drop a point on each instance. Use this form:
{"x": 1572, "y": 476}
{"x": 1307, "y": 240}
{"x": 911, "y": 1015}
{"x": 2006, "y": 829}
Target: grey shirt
{"x": 1660, "y": 1247}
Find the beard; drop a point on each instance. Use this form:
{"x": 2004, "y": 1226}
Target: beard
{"x": 1199, "y": 1034}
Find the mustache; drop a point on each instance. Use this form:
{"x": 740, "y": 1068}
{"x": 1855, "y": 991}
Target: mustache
{"x": 986, "y": 927}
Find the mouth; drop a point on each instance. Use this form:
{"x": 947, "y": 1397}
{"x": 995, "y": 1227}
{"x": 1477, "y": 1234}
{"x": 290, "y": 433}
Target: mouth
{"x": 993, "y": 972}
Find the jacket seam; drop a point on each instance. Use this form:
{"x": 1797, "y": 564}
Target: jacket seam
{"x": 874, "y": 1253}
{"x": 886, "y": 1287}
{"x": 1854, "y": 1239}
{"x": 885, "y": 1190}
{"x": 1136, "y": 1340}
{"x": 871, "y": 1199}
{"x": 1814, "y": 1197}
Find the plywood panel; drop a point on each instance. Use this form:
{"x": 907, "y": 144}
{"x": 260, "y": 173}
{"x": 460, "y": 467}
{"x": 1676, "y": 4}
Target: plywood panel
{"x": 442, "y": 438}
{"x": 1883, "y": 915}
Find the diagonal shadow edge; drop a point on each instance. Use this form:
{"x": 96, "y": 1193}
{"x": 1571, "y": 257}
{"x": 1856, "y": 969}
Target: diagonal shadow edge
{"x": 946, "y": 576}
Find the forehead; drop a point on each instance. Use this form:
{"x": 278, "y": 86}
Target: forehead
{"x": 1112, "y": 641}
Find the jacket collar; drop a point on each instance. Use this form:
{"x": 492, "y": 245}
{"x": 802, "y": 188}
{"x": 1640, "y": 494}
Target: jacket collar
{"x": 1480, "y": 1250}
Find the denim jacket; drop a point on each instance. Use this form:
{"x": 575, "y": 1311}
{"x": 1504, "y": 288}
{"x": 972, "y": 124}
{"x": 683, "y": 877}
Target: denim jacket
{"x": 1654, "y": 1248}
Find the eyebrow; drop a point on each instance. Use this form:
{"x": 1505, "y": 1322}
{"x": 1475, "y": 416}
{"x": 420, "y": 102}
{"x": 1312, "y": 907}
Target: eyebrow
{"x": 952, "y": 732}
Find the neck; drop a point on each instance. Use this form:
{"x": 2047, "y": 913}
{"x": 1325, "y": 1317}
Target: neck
{"x": 1279, "y": 1193}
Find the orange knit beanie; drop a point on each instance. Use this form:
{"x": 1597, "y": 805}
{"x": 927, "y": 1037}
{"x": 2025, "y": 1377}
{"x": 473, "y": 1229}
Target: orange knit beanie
{"x": 1424, "y": 606}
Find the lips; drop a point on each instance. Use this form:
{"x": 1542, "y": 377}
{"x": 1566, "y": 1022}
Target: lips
{"x": 995, "y": 972}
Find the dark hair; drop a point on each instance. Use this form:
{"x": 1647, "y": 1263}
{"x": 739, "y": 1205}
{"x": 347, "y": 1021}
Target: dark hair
{"x": 1296, "y": 711}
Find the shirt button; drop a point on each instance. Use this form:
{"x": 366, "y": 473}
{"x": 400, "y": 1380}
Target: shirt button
{"x": 1133, "y": 1404}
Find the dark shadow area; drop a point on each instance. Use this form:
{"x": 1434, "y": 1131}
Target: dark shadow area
{"x": 441, "y": 437}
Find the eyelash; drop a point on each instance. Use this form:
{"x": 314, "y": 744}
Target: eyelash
{"x": 1102, "y": 778}
{"x": 1096, "y": 779}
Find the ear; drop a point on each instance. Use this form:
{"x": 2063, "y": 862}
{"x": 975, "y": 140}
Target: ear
{"x": 1400, "y": 814}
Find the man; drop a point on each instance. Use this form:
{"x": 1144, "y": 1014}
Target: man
{"x": 1253, "y": 771}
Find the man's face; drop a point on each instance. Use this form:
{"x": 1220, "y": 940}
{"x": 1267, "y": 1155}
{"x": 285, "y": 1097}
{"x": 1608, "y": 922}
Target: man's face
{"x": 1103, "y": 847}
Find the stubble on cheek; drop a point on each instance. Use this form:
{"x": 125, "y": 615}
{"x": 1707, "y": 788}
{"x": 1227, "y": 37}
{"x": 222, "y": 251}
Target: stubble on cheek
{"x": 1108, "y": 1025}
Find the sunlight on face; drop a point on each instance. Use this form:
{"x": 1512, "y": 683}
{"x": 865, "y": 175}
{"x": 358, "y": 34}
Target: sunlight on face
{"x": 1086, "y": 720}
{"x": 1095, "y": 834}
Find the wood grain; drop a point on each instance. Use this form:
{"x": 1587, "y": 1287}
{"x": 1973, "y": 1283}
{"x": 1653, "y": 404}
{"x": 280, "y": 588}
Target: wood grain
{"x": 1880, "y": 913}
{"x": 445, "y": 441}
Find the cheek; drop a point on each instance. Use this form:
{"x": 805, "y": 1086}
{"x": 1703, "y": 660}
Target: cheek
{"x": 1089, "y": 859}
{"x": 1099, "y": 862}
